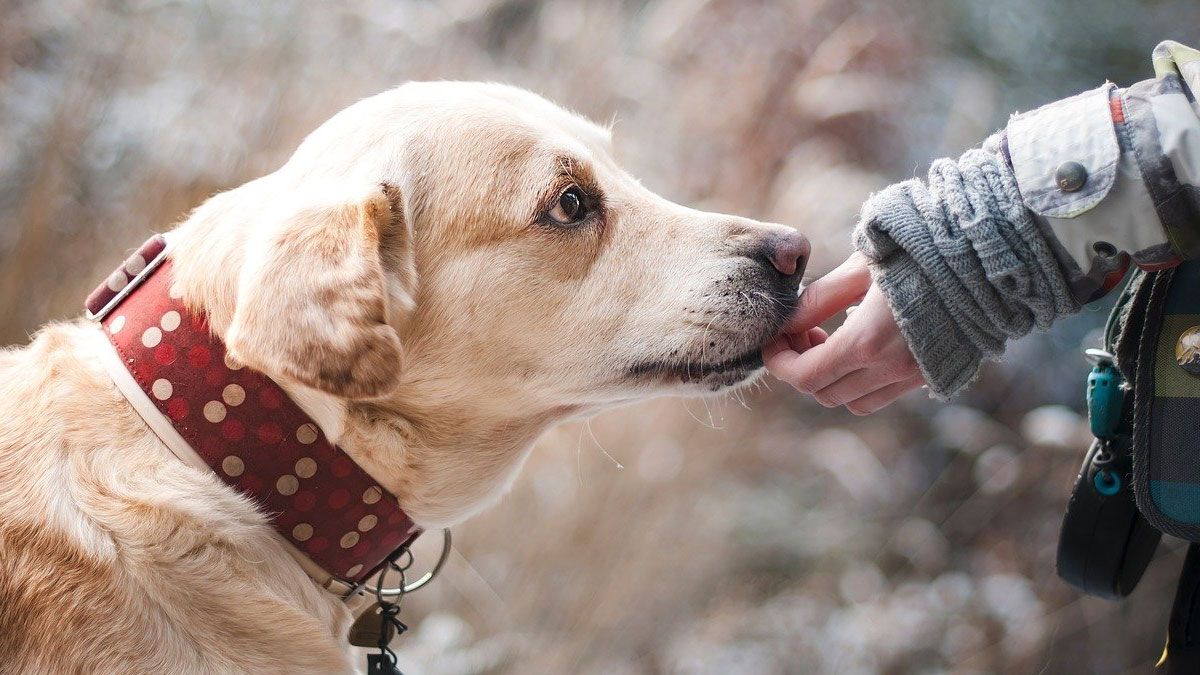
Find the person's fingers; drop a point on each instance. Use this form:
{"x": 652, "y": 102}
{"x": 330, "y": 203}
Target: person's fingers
{"x": 778, "y": 344}
{"x": 831, "y": 294}
{"x": 814, "y": 369}
{"x": 796, "y": 343}
{"x": 882, "y": 398}
{"x": 802, "y": 342}
{"x": 853, "y": 386}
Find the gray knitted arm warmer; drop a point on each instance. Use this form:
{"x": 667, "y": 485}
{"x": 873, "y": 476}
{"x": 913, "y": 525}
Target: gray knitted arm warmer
{"x": 963, "y": 264}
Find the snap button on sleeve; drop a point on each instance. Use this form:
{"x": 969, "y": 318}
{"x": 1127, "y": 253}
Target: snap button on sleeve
{"x": 1070, "y": 176}
{"x": 1065, "y": 155}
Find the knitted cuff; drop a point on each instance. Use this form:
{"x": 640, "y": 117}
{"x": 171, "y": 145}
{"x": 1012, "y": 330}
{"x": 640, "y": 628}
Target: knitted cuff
{"x": 963, "y": 265}
{"x": 948, "y": 359}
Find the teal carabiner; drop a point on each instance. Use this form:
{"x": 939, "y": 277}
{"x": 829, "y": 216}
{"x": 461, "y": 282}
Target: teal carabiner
{"x": 1105, "y": 396}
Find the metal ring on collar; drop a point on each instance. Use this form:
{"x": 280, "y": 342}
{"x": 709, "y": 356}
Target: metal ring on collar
{"x": 398, "y": 591}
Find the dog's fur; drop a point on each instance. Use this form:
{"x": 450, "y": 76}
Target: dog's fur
{"x": 400, "y": 277}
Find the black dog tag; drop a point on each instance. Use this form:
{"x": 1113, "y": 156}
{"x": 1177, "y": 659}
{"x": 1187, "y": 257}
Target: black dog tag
{"x": 382, "y": 664}
{"x": 376, "y": 627}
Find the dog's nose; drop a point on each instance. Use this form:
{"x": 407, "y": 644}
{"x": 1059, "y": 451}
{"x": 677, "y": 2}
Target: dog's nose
{"x": 788, "y": 252}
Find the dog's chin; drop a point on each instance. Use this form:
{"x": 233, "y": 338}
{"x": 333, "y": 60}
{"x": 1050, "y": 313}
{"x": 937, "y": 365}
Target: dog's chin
{"x": 708, "y": 375}
{"x": 713, "y": 370}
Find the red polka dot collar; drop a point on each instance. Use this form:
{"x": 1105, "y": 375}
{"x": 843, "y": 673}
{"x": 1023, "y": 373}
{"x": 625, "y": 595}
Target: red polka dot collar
{"x": 241, "y": 424}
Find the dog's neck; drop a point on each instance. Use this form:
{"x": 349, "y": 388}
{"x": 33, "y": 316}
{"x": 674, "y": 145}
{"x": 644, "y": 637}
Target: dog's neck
{"x": 444, "y": 452}
{"x": 445, "y": 464}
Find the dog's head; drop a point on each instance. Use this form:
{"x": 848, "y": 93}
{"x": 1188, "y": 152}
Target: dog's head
{"x": 475, "y": 247}
{"x": 478, "y": 232}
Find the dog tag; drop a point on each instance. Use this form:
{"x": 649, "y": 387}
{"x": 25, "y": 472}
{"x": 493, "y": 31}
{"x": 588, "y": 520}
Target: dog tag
{"x": 382, "y": 664}
{"x": 366, "y": 630}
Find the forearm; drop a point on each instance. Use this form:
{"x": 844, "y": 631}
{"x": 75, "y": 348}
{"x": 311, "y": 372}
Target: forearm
{"x": 964, "y": 265}
{"x": 1015, "y": 234}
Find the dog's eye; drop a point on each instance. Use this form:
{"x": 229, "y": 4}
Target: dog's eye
{"x": 570, "y": 208}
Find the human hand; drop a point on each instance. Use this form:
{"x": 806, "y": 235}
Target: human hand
{"x": 865, "y": 364}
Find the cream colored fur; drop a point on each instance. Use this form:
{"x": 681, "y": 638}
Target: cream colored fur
{"x": 399, "y": 277}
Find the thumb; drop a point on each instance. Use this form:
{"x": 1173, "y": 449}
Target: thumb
{"x": 830, "y": 294}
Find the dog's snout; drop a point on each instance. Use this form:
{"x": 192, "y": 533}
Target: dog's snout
{"x": 787, "y": 252}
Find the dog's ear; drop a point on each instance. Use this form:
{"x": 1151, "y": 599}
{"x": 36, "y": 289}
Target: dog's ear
{"x": 316, "y": 304}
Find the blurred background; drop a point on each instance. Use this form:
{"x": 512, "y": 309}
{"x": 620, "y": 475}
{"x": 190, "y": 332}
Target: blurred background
{"x": 754, "y": 534}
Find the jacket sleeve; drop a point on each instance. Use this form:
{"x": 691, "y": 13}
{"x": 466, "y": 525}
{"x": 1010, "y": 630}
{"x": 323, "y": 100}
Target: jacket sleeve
{"x": 1117, "y": 167}
{"x": 1045, "y": 216}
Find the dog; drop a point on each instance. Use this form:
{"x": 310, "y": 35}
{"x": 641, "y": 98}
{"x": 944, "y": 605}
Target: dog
{"x": 437, "y": 275}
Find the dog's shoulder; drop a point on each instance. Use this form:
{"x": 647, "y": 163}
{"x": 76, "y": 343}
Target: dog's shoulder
{"x": 114, "y": 551}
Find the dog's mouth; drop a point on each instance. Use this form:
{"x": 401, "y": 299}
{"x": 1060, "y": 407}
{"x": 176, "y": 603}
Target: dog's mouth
{"x": 719, "y": 373}
{"x": 729, "y": 350}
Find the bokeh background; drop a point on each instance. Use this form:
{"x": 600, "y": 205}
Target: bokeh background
{"x": 755, "y": 534}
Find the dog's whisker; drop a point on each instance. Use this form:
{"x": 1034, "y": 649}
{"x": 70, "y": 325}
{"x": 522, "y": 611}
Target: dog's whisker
{"x": 708, "y": 413}
{"x": 740, "y": 398}
{"x": 579, "y": 457}
{"x": 691, "y": 414}
{"x": 588, "y": 426}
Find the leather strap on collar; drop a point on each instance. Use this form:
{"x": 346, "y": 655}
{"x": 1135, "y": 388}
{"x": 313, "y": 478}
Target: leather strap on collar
{"x": 244, "y": 427}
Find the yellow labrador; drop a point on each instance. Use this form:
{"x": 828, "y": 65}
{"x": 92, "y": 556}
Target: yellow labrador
{"x": 510, "y": 275}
